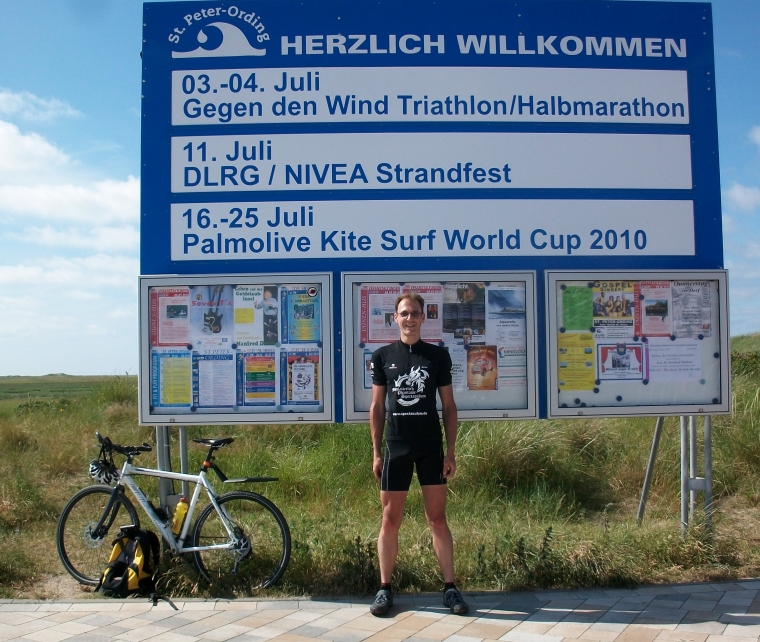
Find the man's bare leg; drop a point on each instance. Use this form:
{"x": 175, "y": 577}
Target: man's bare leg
{"x": 443, "y": 544}
{"x": 393, "y": 502}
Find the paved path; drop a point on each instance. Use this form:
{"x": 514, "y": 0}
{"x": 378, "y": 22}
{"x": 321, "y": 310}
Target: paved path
{"x": 713, "y": 612}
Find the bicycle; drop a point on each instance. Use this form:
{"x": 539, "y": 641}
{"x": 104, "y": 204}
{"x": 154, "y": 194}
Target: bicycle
{"x": 238, "y": 533}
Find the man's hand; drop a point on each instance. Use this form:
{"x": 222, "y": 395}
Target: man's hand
{"x": 377, "y": 466}
{"x": 449, "y": 466}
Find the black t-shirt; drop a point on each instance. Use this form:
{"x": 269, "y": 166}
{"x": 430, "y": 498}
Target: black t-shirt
{"x": 412, "y": 375}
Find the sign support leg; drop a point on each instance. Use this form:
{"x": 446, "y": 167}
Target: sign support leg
{"x": 708, "y": 471}
{"x": 164, "y": 461}
{"x": 692, "y": 464}
{"x": 650, "y": 469}
{"x": 684, "y": 477}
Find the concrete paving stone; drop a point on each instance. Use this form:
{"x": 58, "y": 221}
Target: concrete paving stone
{"x": 735, "y": 618}
{"x": 199, "y": 606}
{"x": 548, "y": 615}
{"x": 711, "y": 628}
{"x": 256, "y": 635}
{"x": 65, "y": 616}
{"x": 598, "y": 635}
{"x": 730, "y": 586}
{"x": 664, "y": 613}
{"x": 438, "y": 631}
{"x": 289, "y": 637}
{"x": 54, "y": 606}
{"x": 249, "y": 638}
{"x": 748, "y": 630}
{"x": 568, "y": 629}
{"x": 655, "y": 590}
{"x": 13, "y": 619}
{"x": 304, "y": 616}
{"x": 681, "y": 636}
{"x": 730, "y": 609}
{"x": 489, "y": 631}
{"x": 751, "y": 593}
{"x": 89, "y": 637}
{"x": 620, "y": 592}
{"x": 697, "y": 588}
{"x": 749, "y": 584}
{"x": 171, "y": 636}
{"x": 75, "y": 628}
{"x": 635, "y": 633}
{"x": 615, "y": 627}
{"x": 538, "y": 628}
{"x": 142, "y": 633}
{"x": 585, "y": 616}
{"x": 98, "y": 619}
{"x": 564, "y": 604}
{"x": 517, "y": 636}
{"x": 18, "y": 608}
{"x": 110, "y": 631}
{"x": 665, "y": 604}
{"x": 553, "y": 596}
{"x": 292, "y": 605}
{"x": 47, "y": 636}
{"x": 38, "y": 625}
{"x": 383, "y": 637}
{"x": 736, "y": 601}
{"x": 462, "y": 638}
{"x": 309, "y": 631}
{"x": 222, "y": 633}
{"x": 343, "y": 634}
{"x": 600, "y": 602}
{"x": 699, "y": 604}
{"x": 98, "y": 607}
{"x": 615, "y": 616}
{"x": 729, "y": 638}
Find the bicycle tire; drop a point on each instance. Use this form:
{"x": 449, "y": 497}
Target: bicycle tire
{"x": 263, "y": 527}
{"x": 83, "y": 556}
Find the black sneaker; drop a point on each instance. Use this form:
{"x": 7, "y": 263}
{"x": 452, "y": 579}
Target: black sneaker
{"x": 383, "y": 602}
{"x": 454, "y": 600}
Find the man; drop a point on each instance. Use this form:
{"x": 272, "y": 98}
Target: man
{"x": 409, "y": 372}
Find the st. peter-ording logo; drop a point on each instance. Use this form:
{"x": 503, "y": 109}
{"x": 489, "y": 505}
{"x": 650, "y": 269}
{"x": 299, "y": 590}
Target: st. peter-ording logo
{"x": 220, "y": 39}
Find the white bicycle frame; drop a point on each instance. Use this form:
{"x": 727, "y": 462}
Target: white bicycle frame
{"x": 177, "y": 544}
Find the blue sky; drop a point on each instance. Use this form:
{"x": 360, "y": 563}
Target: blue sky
{"x": 70, "y": 166}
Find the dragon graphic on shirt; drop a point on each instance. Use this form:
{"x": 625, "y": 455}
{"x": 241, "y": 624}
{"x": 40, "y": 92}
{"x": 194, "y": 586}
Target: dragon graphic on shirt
{"x": 409, "y": 387}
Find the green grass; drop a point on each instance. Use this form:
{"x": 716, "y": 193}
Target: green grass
{"x": 746, "y": 343}
{"x": 534, "y": 503}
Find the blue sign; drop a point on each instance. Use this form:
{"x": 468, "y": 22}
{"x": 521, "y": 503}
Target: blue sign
{"x": 344, "y": 136}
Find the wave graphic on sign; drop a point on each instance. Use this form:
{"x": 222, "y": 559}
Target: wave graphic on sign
{"x": 234, "y": 43}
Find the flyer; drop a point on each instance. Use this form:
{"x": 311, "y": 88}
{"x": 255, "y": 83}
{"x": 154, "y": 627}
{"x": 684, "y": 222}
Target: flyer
{"x": 249, "y": 327}
{"x": 377, "y": 303}
{"x": 506, "y": 314}
{"x": 301, "y": 313}
{"x": 256, "y": 377}
{"x": 213, "y": 380}
{"x": 692, "y": 310}
{"x": 464, "y": 312}
{"x": 211, "y": 316}
{"x": 270, "y": 309}
{"x": 620, "y": 361}
{"x": 513, "y": 366}
{"x": 170, "y": 378}
{"x": 577, "y": 367}
{"x": 458, "y": 356}
{"x": 482, "y": 368}
{"x": 367, "y": 364}
{"x": 577, "y": 308}
{"x": 300, "y": 376}
{"x": 169, "y": 316}
{"x": 679, "y": 360}
{"x": 432, "y": 328}
{"x": 653, "y": 310}
{"x": 613, "y": 309}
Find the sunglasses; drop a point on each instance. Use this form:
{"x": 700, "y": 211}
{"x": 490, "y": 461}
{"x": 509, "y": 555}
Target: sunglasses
{"x": 406, "y": 315}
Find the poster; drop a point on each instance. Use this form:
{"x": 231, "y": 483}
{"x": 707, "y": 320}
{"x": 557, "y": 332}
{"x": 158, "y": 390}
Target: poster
{"x": 169, "y": 316}
{"x": 301, "y": 314}
{"x": 577, "y": 308}
{"x": 464, "y": 313}
{"x": 613, "y": 309}
{"x": 458, "y": 356}
{"x": 377, "y": 304}
{"x": 170, "y": 378}
{"x": 256, "y": 377}
{"x": 576, "y": 361}
{"x": 299, "y": 376}
{"x": 211, "y": 316}
{"x": 692, "y": 310}
{"x": 367, "y": 362}
{"x": 679, "y": 360}
{"x": 654, "y": 309}
{"x": 482, "y": 368}
{"x": 512, "y": 363}
{"x": 213, "y": 380}
{"x": 620, "y": 361}
{"x": 249, "y": 327}
{"x": 506, "y": 314}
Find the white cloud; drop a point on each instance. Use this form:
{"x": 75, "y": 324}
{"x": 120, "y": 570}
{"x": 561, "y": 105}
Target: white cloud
{"x": 754, "y": 135}
{"x": 95, "y": 271}
{"x": 743, "y": 197}
{"x": 28, "y": 158}
{"x": 104, "y": 239}
{"x": 29, "y": 107}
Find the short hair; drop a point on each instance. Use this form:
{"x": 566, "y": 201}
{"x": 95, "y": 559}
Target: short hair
{"x": 412, "y": 296}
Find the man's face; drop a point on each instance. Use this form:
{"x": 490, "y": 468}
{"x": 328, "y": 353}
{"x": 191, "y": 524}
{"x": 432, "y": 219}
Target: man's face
{"x": 409, "y": 318}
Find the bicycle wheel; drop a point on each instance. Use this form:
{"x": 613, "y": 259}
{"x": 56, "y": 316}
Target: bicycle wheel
{"x": 261, "y": 549}
{"x": 83, "y": 555}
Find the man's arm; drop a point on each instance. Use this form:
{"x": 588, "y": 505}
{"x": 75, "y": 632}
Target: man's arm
{"x": 377, "y": 427}
{"x": 449, "y": 412}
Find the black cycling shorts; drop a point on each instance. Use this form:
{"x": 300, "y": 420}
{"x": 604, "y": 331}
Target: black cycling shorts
{"x": 401, "y": 458}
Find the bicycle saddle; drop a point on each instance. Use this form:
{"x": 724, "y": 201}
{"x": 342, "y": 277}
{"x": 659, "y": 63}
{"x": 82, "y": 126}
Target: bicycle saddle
{"x": 215, "y": 443}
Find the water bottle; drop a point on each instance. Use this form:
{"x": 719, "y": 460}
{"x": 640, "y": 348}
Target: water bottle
{"x": 179, "y": 515}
